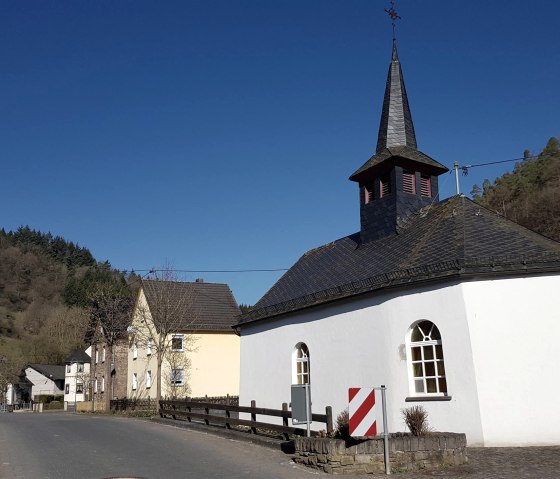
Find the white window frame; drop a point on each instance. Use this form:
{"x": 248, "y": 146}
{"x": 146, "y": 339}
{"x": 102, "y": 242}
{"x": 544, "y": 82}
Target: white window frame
{"x": 148, "y": 379}
{"x": 80, "y": 367}
{"x": 102, "y": 384}
{"x": 175, "y": 337}
{"x": 135, "y": 351}
{"x": 96, "y": 355}
{"x": 149, "y": 346}
{"x": 68, "y": 368}
{"x": 301, "y": 365}
{"x": 103, "y": 355}
{"x": 134, "y": 381}
{"x": 426, "y": 361}
{"x": 177, "y": 377}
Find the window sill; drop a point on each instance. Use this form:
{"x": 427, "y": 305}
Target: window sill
{"x": 427, "y": 398}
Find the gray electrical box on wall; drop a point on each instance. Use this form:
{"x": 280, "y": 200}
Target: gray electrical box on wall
{"x": 301, "y": 404}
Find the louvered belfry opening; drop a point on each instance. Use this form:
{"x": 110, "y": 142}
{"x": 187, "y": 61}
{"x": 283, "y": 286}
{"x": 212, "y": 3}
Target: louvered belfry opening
{"x": 398, "y": 179}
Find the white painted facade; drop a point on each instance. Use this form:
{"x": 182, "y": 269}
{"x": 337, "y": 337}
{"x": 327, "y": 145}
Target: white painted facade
{"x": 77, "y": 380}
{"x": 41, "y": 383}
{"x": 499, "y": 346}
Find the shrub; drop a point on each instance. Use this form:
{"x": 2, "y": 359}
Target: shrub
{"x": 48, "y": 398}
{"x": 342, "y": 430}
{"x": 55, "y": 405}
{"x": 416, "y": 419}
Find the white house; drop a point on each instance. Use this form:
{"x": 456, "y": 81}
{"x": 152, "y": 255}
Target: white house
{"x": 77, "y": 380}
{"x": 449, "y": 305}
{"x": 40, "y": 379}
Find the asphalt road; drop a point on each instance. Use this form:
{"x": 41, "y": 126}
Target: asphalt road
{"x": 70, "y": 446}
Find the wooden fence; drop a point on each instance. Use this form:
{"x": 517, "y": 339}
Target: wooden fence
{"x": 228, "y": 416}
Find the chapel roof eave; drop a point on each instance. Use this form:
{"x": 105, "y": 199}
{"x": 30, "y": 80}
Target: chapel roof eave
{"x": 464, "y": 270}
{"x": 378, "y": 161}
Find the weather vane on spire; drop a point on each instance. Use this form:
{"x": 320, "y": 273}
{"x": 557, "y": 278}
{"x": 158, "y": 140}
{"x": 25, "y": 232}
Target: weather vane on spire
{"x": 393, "y": 15}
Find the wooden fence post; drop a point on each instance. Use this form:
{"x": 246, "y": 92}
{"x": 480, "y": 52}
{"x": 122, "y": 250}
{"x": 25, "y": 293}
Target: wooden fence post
{"x": 253, "y": 416}
{"x": 285, "y": 420}
{"x": 328, "y": 412}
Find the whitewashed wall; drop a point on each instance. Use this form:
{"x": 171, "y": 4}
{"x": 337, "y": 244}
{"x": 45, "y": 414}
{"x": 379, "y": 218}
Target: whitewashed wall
{"x": 361, "y": 343}
{"x": 515, "y": 327}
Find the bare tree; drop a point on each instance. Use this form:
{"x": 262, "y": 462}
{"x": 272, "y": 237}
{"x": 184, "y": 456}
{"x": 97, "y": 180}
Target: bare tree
{"x": 110, "y": 316}
{"x": 162, "y": 323}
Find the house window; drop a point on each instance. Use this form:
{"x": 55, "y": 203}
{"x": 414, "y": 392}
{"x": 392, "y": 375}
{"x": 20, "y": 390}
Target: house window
{"x": 67, "y": 389}
{"x": 148, "y": 379}
{"x": 425, "y": 358}
{"x": 95, "y": 385}
{"x": 103, "y": 384}
{"x": 384, "y": 186}
{"x": 409, "y": 182}
{"x": 79, "y": 388}
{"x": 135, "y": 351}
{"x": 103, "y": 355}
{"x": 178, "y": 377}
{"x": 80, "y": 367}
{"x": 426, "y": 186}
{"x": 177, "y": 342}
{"x": 300, "y": 368}
{"x": 96, "y": 355}
{"x": 68, "y": 368}
{"x": 149, "y": 346}
{"x": 134, "y": 381}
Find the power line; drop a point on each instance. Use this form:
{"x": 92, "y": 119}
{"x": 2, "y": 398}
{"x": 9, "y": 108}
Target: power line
{"x": 151, "y": 271}
{"x": 467, "y": 167}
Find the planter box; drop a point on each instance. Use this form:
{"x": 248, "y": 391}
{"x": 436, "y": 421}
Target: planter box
{"x": 407, "y": 453}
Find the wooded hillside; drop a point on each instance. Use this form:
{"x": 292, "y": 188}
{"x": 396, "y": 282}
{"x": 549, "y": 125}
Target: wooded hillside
{"x": 46, "y": 286}
{"x": 530, "y": 195}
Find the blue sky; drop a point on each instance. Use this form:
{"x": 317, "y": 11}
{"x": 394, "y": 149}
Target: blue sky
{"x": 220, "y": 134}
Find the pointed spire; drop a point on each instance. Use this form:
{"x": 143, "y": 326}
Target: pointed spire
{"x": 396, "y": 127}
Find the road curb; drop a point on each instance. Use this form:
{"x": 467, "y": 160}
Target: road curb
{"x": 269, "y": 442}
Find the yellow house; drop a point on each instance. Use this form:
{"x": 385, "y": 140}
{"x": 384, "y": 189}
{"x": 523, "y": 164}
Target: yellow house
{"x": 186, "y": 327}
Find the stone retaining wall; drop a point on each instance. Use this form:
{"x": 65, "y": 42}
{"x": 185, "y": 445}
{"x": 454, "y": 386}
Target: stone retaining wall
{"x": 407, "y": 453}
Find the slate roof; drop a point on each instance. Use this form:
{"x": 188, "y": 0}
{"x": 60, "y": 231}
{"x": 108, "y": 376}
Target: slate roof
{"x": 78, "y": 356}
{"x": 455, "y": 238}
{"x": 54, "y": 372}
{"x": 396, "y": 127}
{"x": 394, "y": 152}
{"x": 202, "y": 306}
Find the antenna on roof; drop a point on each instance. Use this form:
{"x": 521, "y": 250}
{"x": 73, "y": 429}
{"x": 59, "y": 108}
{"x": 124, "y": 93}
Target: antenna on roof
{"x": 394, "y": 17}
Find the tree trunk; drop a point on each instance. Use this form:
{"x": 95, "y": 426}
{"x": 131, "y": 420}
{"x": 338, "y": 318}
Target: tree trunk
{"x": 158, "y": 377}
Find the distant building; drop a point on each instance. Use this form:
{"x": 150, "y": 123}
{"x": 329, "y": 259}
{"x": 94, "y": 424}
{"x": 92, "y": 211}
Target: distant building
{"x": 78, "y": 379}
{"x": 40, "y": 379}
{"x": 449, "y": 305}
{"x": 202, "y": 349}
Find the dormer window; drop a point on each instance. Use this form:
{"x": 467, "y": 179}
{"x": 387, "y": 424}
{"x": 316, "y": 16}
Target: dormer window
{"x": 409, "y": 182}
{"x": 426, "y": 186}
{"x": 384, "y": 186}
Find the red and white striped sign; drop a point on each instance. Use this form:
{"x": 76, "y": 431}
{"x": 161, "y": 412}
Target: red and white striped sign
{"x": 362, "y": 411}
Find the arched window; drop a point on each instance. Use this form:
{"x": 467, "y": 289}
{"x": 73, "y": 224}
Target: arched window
{"x": 300, "y": 368}
{"x": 425, "y": 358}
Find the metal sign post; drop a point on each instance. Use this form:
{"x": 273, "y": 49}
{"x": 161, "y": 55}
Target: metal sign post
{"x": 385, "y": 432}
